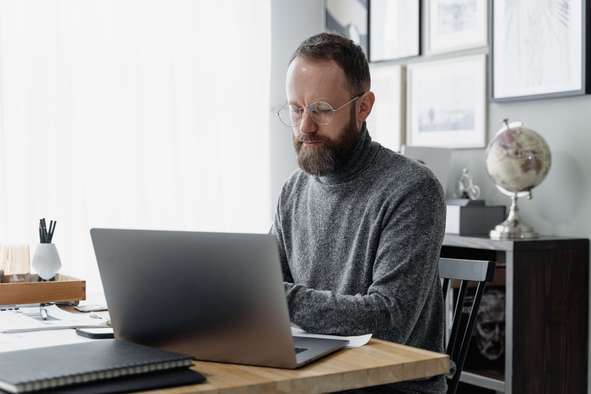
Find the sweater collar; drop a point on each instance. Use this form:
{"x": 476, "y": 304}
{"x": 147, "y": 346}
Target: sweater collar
{"x": 360, "y": 158}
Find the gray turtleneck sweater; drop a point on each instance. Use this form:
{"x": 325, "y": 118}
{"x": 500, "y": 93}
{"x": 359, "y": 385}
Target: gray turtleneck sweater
{"x": 360, "y": 251}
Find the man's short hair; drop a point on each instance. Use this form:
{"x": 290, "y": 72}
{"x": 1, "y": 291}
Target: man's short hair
{"x": 343, "y": 51}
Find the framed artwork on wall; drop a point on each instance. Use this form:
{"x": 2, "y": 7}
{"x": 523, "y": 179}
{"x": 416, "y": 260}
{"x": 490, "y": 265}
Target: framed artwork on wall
{"x": 446, "y": 103}
{"x": 386, "y": 120}
{"x": 348, "y": 18}
{"x": 457, "y": 24}
{"x": 547, "y": 58}
{"x": 395, "y": 29}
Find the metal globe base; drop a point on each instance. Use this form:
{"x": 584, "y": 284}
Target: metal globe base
{"x": 513, "y": 227}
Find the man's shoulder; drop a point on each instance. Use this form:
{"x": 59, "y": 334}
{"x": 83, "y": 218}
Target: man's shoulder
{"x": 295, "y": 182}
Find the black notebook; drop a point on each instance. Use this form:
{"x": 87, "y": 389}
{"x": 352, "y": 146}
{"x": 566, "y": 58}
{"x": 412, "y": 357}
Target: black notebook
{"x": 57, "y": 366}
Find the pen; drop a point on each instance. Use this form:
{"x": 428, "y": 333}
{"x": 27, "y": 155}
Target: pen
{"x": 52, "y": 229}
{"x": 45, "y": 233}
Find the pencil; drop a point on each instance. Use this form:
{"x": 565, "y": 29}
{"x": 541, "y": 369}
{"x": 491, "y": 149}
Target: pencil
{"x": 44, "y": 228}
{"x": 52, "y": 229}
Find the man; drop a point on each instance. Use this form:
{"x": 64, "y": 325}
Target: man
{"x": 359, "y": 226}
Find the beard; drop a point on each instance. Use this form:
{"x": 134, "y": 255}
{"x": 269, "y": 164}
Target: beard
{"x": 328, "y": 157}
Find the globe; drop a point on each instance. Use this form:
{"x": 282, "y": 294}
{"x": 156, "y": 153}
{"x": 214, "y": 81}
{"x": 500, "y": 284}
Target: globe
{"x": 517, "y": 160}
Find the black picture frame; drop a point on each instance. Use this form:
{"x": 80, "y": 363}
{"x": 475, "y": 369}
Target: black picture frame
{"x": 498, "y": 52}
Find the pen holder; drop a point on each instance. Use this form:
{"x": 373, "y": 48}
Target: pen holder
{"x": 46, "y": 261}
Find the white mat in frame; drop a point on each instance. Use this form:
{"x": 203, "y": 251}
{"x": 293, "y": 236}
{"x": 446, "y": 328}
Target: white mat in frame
{"x": 386, "y": 121}
{"x": 446, "y": 103}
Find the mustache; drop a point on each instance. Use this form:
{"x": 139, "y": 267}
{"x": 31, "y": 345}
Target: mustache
{"x": 308, "y": 139}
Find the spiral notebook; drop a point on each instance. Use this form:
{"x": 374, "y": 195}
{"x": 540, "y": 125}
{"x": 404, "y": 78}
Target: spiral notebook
{"x": 50, "y": 367}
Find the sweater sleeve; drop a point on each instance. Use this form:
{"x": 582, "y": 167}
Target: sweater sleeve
{"x": 405, "y": 272}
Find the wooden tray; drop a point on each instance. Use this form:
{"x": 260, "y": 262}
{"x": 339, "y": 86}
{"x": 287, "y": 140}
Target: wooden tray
{"x": 28, "y": 289}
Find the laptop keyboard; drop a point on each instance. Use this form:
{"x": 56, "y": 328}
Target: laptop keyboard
{"x": 300, "y": 349}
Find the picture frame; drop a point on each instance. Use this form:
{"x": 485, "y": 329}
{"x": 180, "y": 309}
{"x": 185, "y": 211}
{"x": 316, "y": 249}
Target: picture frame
{"x": 349, "y": 18}
{"x": 543, "y": 60}
{"x": 455, "y": 25}
{"x": 394, "y": 29}
{"x": 446, "y": 103}
{"x": 386, "y": 122}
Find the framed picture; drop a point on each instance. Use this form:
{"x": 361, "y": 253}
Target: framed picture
{"x": 542, "y": 59}
{"x": 446, "y": 103}
{"x": 395, "y": 28}
{"x": 348, "y": 18}
{"x": 386, "y": 121}
{"x": 457, "y": 24}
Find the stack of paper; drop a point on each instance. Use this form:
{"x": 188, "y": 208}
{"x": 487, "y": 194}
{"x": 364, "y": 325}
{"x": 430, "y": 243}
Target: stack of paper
{"x": 39, "y": 339}
{"x": 354, "y": 341}
{"x": 29, "y": 319}
{"x": 25, "y": 329}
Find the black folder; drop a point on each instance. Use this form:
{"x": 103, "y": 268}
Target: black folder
{"x": 92, "y": 365}
{"x": 129, "y": 384}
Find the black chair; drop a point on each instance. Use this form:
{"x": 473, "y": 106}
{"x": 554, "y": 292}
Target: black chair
{"x": 479, "y": 272}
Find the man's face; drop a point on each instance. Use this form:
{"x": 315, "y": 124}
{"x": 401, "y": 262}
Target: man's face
{"x": 322, "y": 149}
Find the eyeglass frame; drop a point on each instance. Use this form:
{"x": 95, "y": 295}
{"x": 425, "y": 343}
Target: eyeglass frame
{"x": 315, "y": 103}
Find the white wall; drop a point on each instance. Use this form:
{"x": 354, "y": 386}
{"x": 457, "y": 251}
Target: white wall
{"x": 291, "y": 23}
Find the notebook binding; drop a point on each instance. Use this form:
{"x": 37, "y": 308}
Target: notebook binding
{"x": 123, "y": 370}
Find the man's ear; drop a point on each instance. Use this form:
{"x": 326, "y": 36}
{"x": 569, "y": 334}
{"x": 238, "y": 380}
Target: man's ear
{"x": 364, "y": 107}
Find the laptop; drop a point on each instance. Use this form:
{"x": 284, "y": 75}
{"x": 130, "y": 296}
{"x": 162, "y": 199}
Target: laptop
{"x": 215, "y": 296}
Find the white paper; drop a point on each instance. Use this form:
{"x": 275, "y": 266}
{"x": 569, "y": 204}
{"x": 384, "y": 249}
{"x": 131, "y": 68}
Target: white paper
{"x": 38, "y": 339}
{"x": 354, "y": 341}
{"x": 29, "y": 319}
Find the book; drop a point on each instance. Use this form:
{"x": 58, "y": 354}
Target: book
{"x": 30, "y": 370}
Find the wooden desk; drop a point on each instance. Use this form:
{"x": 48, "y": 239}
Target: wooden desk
{"x": 378, "y": 362}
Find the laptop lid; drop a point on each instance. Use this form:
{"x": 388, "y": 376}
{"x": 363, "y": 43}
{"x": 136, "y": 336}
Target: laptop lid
{"x": 216, "y": 296}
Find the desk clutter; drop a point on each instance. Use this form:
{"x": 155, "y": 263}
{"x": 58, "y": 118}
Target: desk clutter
{"x": 20, "y": 319}
{"x": 15, "y": 258}
{"x": 31, "y": 289}
{"x": 44, "y": 352}
{"x": 19, "y": 286}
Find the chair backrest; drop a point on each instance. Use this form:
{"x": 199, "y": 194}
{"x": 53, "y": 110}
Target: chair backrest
{"x": 479, "y": 272}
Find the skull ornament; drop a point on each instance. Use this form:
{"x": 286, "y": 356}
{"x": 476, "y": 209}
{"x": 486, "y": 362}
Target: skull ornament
{"x": 490, "y": 324}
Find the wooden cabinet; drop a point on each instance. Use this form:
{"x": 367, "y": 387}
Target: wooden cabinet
{"x": 546, "y": 312}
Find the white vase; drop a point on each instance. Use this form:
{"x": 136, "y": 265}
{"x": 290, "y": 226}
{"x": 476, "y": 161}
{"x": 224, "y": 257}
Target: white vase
{"x": 46, "y": 261}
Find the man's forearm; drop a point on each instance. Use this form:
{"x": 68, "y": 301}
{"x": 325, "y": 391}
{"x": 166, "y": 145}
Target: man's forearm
{"x": 325, "y": 312}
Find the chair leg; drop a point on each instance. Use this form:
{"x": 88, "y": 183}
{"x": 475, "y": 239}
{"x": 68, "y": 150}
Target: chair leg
{"x": 445, "y": 287}
{"x": 464, "y": 345}
{"x": 456, "y": 320}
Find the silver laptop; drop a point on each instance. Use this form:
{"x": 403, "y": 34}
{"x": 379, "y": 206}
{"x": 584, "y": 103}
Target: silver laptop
{"x": 215, "y": 296}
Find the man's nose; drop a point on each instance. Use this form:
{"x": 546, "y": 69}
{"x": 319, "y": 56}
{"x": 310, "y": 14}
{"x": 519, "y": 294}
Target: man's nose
{"x": 307, "y": 125}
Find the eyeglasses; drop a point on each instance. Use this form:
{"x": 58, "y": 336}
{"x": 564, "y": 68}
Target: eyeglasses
{"x": 321, "y": 112}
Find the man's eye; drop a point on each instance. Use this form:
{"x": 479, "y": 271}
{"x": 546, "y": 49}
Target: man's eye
{"x": 296, "y": 110}
{"x": 322, "y": 107}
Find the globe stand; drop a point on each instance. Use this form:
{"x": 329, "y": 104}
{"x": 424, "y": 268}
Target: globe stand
{"x": 513, "y": 227}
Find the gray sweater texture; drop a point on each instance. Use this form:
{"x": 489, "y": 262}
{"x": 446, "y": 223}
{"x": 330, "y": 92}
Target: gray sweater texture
{"x": 360, "y": 248}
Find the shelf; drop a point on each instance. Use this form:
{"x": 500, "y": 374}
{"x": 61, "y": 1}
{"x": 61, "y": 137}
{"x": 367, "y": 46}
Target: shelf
{"x": 489, "y": 379}
{"x": 545, "y": 277}
{"x": 485, "y": 243}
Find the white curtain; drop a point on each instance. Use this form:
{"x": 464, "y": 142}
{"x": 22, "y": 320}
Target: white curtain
{"x": 132, "y": 113}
